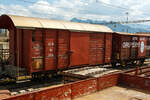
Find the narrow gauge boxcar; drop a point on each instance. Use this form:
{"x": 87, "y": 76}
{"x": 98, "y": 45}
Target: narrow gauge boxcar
{"x": 129, "y": 47}
{"x": 42, "y": 45}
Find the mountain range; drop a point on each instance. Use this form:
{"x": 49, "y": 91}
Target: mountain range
{"x": 131, "y": 28}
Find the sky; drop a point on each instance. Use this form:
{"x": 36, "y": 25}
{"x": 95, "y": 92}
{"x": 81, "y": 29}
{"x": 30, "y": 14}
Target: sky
{"x": 109, "y": 10}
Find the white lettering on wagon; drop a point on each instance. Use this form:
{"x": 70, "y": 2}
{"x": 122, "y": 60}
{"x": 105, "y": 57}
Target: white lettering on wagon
{"x": 50, "y": 43}
{"x": 142, "y": 38}
{"x": 37, "y": 47}
{"x": 126, "y": 45}
{"x": 130, "y": 44}
{"x": 141, "y": 45}
{"x": 50, "y": 55}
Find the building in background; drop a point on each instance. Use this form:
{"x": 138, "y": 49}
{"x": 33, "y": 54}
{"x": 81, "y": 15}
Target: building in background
{"x": 4, "y": 39}
{"x": 4, "y": 45}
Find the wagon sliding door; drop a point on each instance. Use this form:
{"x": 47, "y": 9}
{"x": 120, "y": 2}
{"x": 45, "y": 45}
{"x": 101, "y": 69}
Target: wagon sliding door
{"x": 63, "y": 48}
{"x": 79, "y": 46}
{"x": 125, "y": 47}
{"x": 134, "y": 47}
{"x": 97, "y": 44}
{"x": 50, "y": 49}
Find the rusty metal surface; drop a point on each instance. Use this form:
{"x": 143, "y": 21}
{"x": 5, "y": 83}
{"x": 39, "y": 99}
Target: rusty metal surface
{"x": 79, "y": 46}
{"x": 20, "y": 48}
{"x": 11, "y": 47}
{"x": 108, "y": 48}
{"x": 97, "y": 48}
{"x": 53, "y": 49}
{"x": 27, "y": 49}
{"x": 50, "y": 50}
{"x": 140, "y": 71}
{"x": 29, "y": 96}
{"x": 125, "y": 47}
{"x": 55, "y": 93}
{"x": 20, "y": 21}
{"x": 37, "y": 50}
{"x": 63, "y": 49}
{"x": 108, "y": 81}
{"x": 68, "y": 91}
{"x": 135, "y": 81}
{"x": 58, "y": 93}
{"x": 84, "y": 87}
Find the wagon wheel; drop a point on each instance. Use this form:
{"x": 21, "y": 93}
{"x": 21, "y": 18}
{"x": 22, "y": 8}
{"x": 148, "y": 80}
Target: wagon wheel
{"x": 124, "y": 63}
{"x": 133, "y": 63}
{"x": 142, "y": 61}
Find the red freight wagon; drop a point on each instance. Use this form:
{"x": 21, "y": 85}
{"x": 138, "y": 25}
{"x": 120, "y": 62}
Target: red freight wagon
{"x": 42, "y": 45}
{"x": 129, "y": 47}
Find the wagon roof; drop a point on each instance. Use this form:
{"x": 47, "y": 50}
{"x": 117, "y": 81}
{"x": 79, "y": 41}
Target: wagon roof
{"x": 133, "y": 34}
{"x": 30, "y": 22}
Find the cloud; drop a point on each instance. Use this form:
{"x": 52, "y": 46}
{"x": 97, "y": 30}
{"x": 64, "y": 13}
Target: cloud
{"x": 42, "y": 6}
{"x": 87, "y": 9}
{"x": 106, "y": 1}
{"x": 42, "y": 9}
{"x": 135, "y": 11}
{"x": 15, "y": 10}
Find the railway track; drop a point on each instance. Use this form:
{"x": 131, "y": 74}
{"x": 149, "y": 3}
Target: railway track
{"x": 32, "y": 85}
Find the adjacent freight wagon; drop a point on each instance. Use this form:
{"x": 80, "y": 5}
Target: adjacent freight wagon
{"x": 130, "y": 48}
{"x": 42, "y": 45}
